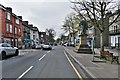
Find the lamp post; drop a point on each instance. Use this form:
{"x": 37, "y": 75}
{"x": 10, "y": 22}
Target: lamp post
{"x": 93, "y": 47}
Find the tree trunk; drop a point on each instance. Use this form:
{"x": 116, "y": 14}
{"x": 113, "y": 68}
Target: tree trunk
{"x": 102, "y": 41}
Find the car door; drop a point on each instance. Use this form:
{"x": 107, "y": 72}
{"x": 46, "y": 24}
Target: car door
{"x": 12, "y": 49}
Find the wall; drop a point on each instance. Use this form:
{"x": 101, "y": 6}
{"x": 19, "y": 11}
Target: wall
{"x": 0, "y": 25}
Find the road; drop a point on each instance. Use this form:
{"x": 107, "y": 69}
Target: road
{"x": 39, "y": 64}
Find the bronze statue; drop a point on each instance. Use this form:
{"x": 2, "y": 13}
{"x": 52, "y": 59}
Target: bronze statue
{"x": 84, "y": 26}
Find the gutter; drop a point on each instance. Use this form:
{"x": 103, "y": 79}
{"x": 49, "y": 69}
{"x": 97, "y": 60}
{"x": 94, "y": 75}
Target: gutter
{"x": 87, "y": 72}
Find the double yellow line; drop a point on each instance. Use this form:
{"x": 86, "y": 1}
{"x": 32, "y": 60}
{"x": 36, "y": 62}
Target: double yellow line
{"x": 76, "y": 71}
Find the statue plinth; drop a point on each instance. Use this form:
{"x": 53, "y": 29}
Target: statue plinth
{"x": 83, "y": 46}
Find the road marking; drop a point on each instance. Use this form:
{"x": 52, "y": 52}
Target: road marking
{"x": 24, "y": 73}
{"x": 76, "y": 71}
{"x": 81, "y": 65}
{"x": 42, "y": 57}
{"x": 48, "y": 51}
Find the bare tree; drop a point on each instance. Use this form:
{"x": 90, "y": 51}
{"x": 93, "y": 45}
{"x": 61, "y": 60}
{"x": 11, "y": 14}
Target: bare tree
{"x": 96, "y": 11}
{"x": 71, "y": 24}
{"x": 50, "y": 34}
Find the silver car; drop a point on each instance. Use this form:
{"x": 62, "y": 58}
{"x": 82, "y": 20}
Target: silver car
{"x": 47, "y": 46}
{"x": 7, "y": 49}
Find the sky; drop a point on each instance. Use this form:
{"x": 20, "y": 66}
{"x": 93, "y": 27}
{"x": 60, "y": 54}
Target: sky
{"x": 41, "y": 13}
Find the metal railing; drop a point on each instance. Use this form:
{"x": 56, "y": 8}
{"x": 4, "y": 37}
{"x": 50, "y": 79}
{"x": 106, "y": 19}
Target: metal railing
{"x": 114, "y": 31}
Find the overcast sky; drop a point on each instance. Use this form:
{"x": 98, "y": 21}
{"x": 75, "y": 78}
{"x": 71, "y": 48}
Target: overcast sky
{"x": 41, "y": 13}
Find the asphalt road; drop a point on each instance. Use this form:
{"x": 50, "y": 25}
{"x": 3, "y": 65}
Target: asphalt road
{"x": 38, "y": 64}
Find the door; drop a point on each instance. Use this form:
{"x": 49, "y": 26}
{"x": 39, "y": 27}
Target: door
{"x": 11, "y": 49}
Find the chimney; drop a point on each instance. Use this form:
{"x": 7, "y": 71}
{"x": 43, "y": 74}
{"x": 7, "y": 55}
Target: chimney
{"x": 20, "y": 17}
{"x": 26, "y": 22}
{"x": 30, "y": 25}
{"x": 9, "y": 9}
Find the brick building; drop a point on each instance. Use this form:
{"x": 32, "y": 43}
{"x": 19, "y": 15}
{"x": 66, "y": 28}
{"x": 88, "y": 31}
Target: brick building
{"x": 10, "y": 27}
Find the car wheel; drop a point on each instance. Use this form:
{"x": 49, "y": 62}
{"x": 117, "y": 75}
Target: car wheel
{"x": 3, "y": 55}
{"x": 16, "y": 52}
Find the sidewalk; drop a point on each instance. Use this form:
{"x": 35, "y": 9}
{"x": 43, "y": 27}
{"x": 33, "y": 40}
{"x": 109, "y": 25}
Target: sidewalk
{"x": 97, "y": 69}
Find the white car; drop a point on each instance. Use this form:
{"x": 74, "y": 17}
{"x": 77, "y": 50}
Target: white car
{"x": 38, "y": 46}
{"x": 7, "y": 49}
{"x": 47, "y": 46}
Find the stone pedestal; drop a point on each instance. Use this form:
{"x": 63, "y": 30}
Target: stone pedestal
{"x": 83, "y": 46}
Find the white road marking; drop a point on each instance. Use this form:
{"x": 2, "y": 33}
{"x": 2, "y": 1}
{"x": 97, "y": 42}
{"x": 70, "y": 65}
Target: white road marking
{"x": 48, "y": 51}
{"x": 24, "y": 73}
{"x": 42, "y": 57}
{"x": 23, "y": 53}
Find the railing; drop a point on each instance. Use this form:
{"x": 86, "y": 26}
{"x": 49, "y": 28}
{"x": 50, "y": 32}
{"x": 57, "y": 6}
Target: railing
{"x": 115, "y": 31}
{"x": 117, "y": 45}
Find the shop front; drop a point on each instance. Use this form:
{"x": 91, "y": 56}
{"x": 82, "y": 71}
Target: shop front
{"x": 27, "y": 43}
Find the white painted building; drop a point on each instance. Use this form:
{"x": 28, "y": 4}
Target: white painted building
{"x": 34, "y": 36}
{"x": 114, "y": 29}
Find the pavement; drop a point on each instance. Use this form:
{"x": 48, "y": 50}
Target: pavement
{"x": 101, "y": 70}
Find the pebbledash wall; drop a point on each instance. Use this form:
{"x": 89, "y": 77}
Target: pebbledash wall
{"x": 11, "y": 27}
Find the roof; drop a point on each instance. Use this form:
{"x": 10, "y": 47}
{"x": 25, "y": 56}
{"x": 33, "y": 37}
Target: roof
{"x": 5, "y": 8}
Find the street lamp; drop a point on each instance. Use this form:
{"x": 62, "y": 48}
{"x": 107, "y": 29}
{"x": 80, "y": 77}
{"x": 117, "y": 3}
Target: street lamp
{"x": 92, "y": 33}
{"x": 93, "y": 46}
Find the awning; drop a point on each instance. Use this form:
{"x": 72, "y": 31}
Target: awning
{"x": 29, "y": 40}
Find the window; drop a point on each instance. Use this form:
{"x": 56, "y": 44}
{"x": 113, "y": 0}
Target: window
{"x": 17, "y": 21}
{"x": 41, "y": 35}
{"x": 8, "y": 45}
{"x": 4, "y": 45}
{"x": 10, "y": 28}
{"x": 33, "y": 32}
{"x": 8, "y": 15}
{"x": 19, "y": 30}
{"x": 33, "y": 36}
{"x": 7, "y": 28}
{"x": 15, "y": 30}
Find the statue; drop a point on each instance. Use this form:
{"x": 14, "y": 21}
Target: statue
{"x": 84, "y": 26}
{"x": 83, "y": 46}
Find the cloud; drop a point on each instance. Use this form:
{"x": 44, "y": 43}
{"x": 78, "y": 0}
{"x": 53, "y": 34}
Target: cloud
{"x": 35, "y": 0}
{"x": 42, "y": 14}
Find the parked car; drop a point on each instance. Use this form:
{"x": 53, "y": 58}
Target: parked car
{"x": 51, "y": 43}
{"x": 7, "y": 50}
{"x": 33, "y": 46}
{"x": 38, "y": 46}
{"x": 47, "y": 46}
{"x": 55, "y": 44}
